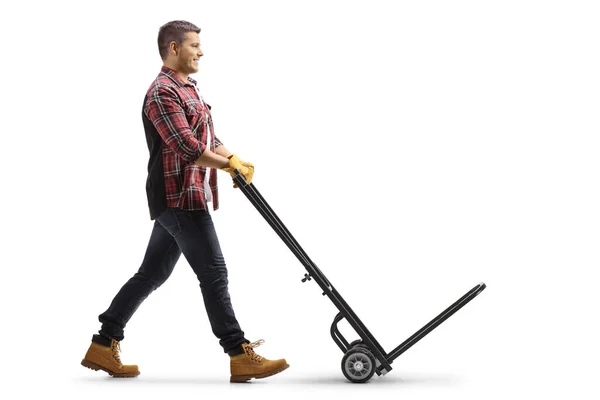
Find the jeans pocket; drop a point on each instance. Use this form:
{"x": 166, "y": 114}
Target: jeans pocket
{"x": 170, "y": 221}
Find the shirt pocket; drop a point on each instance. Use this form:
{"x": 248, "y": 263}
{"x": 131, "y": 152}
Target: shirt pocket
{"x": 192, "y": 106}
{"x": 193, "y": 113}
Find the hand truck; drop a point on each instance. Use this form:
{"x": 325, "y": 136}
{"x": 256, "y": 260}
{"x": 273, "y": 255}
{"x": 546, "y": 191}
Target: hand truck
{"x": 365, "y": 356}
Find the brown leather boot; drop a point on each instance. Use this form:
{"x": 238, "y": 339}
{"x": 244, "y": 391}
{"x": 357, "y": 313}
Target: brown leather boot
{"x": 104, "y": 354}
{"x": 250, "y": 365}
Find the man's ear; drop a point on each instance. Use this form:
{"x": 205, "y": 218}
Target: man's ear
{"x": 173, "y": 48}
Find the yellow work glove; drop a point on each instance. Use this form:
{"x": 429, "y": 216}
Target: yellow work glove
{"x": 246, "y": 169}
{"x": 250, "y": 171}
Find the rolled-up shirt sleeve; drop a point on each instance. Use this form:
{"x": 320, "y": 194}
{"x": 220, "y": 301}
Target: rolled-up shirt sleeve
{"x": 164, "y": 110}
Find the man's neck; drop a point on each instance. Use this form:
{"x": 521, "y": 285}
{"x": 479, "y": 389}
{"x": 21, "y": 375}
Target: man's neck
{"x": 182, "y": 75}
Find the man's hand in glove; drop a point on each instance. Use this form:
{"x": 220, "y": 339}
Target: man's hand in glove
{"x": 245, "y": 168}
{"x": 250, "y": 172}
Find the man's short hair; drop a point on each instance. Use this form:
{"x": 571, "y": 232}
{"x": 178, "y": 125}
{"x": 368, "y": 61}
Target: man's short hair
{"x": 173, "y": 31}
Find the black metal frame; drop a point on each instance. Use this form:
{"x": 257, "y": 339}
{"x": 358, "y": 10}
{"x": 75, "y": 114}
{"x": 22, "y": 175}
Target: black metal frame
{"x": 384, "y": 360}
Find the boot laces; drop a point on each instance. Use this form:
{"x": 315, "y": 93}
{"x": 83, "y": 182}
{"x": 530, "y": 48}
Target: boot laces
{"x": 116, "y": 348}
{"x": 250, "y": 350}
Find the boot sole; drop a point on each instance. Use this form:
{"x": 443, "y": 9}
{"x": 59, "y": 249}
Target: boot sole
{"x": 96, "y": 367}
{"x": 246, "y": 378}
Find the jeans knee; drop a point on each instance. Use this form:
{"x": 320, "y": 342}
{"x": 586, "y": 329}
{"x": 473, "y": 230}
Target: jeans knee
{"x": 213, "y": 275}
{"x": 154, "y": 281}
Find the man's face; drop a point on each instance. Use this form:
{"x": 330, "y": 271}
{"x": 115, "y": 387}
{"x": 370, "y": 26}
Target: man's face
{"x": 189, "y": 53}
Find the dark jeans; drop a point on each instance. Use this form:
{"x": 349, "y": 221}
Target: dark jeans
{"x": 176, "y": 231}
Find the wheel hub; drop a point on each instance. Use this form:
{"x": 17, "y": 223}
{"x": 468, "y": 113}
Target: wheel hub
{"x": 358, "y": 366}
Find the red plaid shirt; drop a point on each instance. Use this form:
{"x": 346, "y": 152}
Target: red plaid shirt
{"x": 180, "y": 117}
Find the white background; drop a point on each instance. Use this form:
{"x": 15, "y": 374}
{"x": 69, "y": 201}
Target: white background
{"x": 414, "y": 149}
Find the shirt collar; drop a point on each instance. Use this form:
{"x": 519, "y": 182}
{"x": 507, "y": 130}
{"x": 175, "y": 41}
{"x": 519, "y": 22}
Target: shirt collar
{"x": 176, "y": 78}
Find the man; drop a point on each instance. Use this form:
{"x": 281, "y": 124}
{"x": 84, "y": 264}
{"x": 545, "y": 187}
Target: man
{"x": 182, "y": 180}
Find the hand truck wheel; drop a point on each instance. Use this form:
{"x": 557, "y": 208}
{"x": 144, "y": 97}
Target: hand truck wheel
{"x": 358, "y": 365}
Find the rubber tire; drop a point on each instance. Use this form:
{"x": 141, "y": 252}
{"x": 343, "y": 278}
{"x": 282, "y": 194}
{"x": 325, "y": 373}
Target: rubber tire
{"x": 359, "y": 343}
{"x": 350, "y": 353}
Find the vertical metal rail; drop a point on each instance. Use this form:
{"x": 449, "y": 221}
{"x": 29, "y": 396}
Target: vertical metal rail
{"x": 265, "y": 210}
